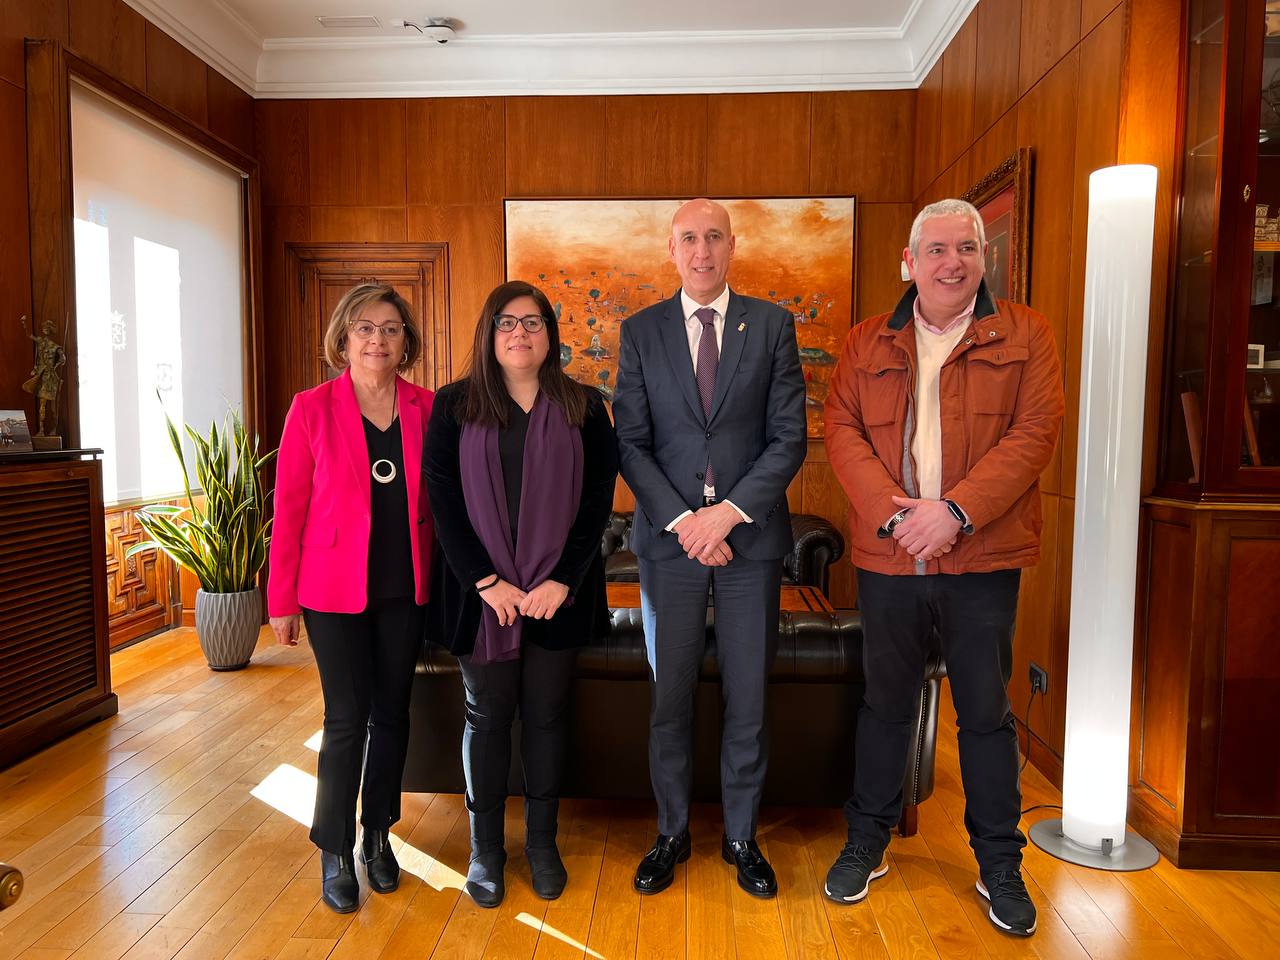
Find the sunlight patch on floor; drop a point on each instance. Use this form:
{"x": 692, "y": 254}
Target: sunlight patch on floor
{"x": 537, "y": 924}
{"x": 293, "y": 793}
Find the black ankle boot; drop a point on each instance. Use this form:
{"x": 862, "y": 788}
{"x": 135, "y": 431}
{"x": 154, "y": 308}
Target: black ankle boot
{"x": 340, "y": 889}
{"x": 546, "y": 869}
{"x": 379, "y": 861}
{"x": 485, "y": 882}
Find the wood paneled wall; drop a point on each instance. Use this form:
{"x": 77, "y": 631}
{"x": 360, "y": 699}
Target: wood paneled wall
{"x": 119, "y": 40}
{"x": 1050, "y": 75}
{"x": 438, "y": 170}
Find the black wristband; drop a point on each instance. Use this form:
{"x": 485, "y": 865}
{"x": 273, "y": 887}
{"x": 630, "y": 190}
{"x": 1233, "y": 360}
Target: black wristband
{"x": 492, "y": 583}
{"x": 965, "y": 525}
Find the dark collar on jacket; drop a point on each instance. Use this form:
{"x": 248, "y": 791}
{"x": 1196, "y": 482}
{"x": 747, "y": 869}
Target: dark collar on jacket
{"x": 904, "y": 312}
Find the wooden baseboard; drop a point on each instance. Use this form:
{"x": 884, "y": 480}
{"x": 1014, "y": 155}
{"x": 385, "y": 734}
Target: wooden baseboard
{"x": 1201, "y": 851}
{"x": 34, "y": 733}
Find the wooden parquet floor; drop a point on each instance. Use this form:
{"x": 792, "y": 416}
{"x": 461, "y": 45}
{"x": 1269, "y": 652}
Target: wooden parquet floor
{"x": 176, "y": 830}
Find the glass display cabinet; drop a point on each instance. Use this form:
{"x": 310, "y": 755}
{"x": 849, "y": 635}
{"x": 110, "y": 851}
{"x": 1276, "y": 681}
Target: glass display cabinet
{"x": 1205, "y": 778}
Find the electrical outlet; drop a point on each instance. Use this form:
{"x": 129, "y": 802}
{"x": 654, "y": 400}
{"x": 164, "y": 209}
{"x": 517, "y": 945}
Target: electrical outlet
{"x": 1039, "y": 679}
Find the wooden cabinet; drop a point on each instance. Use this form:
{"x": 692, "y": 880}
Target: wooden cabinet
{"x": 1206, "y": 764}
{"x": 1206, "y": 758}
{"x": 55, "y": 672}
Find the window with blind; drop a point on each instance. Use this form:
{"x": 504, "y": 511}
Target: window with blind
{"x": 160, "y": 302}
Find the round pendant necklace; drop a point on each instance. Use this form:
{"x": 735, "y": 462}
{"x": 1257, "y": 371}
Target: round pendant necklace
{"x": 384, "y": 471}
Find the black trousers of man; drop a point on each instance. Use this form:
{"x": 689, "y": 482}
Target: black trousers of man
{"x": 366, "y": 663}
{"x": 539, "y": 685}
{"x": 974, "y": 616}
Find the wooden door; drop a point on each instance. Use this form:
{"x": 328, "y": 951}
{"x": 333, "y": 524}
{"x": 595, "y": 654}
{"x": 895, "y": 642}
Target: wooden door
{"x": 320, "y": 273}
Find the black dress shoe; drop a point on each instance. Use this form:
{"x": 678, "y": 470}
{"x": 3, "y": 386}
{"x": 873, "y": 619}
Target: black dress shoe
{"x": 339, "y": 888}
{"x": 754, "y": 873}
{"x": 658, "y": 868}
{"x": 379, "y": 861}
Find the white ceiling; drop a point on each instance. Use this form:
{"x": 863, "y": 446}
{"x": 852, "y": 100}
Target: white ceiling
{"x": 277, "y": 48}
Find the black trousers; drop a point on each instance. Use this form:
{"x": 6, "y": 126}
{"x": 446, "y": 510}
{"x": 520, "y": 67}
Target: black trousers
{"x": 538, "y": 684}
{"x": 366, "y": 662}
{"x": 974, "y": 615}
{"x": 673, "y": 597}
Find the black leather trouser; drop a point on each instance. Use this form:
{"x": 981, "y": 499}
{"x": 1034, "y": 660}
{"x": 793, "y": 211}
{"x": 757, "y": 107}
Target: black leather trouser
{"x": 538, "y": 684}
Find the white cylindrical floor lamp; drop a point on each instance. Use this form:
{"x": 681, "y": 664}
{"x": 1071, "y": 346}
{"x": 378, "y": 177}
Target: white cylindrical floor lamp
{"x": 1113, "y": 365}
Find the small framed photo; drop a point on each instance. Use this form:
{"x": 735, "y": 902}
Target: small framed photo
{"x": 15, "y": 436}
{"x": 1256, "y": 356}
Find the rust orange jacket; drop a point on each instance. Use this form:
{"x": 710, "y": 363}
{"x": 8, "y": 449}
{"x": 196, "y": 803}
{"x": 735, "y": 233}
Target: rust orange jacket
{"x": 1001, "y": 405}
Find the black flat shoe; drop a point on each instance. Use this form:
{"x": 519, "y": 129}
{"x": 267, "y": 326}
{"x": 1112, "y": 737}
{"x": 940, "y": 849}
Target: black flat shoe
{"x": 339, "y": 888}
{"x": 658, "y": 868}
{"x": 546, "y": 870}
{"x": 485, "y": 882}
{"x": 379, "y": 861}
{"x": 754, "y": 873}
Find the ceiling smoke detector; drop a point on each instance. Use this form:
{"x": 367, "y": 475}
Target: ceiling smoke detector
{"x": 439, "y": 29}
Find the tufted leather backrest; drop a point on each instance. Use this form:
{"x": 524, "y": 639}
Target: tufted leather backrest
{"x": 818, "y": 544}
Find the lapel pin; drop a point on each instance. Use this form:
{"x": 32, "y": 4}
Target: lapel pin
{"x": 742, "y": 326}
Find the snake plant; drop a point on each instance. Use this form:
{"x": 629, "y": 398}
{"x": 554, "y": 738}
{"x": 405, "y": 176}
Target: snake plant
{"x": 222, "y": 540}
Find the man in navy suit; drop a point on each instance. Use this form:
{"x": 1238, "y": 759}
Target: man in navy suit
{"x": 711, "y": 429}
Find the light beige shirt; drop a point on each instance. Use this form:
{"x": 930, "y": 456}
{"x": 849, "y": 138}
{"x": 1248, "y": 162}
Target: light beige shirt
{"x": 933, "y": 346}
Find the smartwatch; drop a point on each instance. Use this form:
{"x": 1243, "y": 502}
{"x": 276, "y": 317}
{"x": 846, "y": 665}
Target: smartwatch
{"x": 965, "y": 525}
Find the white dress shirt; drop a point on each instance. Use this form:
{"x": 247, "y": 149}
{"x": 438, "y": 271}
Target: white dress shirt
{"x": 693, "y": 330}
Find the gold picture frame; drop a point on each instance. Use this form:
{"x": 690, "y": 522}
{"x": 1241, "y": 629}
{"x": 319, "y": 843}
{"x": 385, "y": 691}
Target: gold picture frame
{"x": 1003, "y": 197}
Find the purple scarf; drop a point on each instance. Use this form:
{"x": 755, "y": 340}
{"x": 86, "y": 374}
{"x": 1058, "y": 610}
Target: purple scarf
{"x": 550, "y": 493}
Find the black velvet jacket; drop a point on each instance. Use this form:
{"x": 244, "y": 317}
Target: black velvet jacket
{"x": 453, "y": 612}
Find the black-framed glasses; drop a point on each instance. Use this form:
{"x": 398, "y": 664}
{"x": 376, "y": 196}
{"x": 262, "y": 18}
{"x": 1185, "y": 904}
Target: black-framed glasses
{"x": 533, "y": 322}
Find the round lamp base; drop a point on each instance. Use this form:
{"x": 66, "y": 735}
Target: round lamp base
{"x": 1136, "y": 853}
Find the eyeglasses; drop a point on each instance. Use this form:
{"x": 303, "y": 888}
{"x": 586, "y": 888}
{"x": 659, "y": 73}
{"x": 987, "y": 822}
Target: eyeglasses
{"x": 364, "y": 330}
{"x": 533, "y": 322}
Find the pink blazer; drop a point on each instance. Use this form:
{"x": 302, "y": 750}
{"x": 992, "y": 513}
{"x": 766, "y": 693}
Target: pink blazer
{"x": 320, "y": 537}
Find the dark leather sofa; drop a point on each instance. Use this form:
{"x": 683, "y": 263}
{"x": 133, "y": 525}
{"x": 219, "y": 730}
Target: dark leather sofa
{"x": 816, "y": 688}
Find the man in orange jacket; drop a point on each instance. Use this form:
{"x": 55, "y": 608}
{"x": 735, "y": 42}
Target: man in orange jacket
{"x": 940, "y": 418}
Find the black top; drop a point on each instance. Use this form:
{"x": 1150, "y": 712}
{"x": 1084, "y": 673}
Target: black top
{"x": 511, "y": 451}
{"x": 453, "y": 615}
{"x": 390, "y": 552}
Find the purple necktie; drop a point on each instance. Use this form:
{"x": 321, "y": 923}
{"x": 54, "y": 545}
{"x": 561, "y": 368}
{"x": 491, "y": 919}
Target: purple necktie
{"x": 708, "y": 363}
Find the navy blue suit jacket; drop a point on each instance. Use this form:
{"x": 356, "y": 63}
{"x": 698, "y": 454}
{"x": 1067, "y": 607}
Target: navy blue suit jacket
{"x": 754, "y": 436}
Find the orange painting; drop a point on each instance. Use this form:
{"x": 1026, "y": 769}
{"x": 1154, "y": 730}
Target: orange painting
{"x": 599, "y": 261}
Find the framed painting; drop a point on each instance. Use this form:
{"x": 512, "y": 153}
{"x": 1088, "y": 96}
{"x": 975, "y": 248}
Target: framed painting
{"x": 599, "y": 261}
{"x": 1003, "y": 197}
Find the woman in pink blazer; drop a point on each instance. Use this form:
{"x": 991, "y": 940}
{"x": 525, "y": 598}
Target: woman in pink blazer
{"x": 351, "y": 556}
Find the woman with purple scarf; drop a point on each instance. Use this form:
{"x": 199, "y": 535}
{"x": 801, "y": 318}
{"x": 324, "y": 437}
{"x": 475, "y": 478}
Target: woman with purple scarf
{"x": 520, "y": 463}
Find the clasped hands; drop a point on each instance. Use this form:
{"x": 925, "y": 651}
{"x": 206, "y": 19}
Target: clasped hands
{"x": 509, "y": 601}
{"x": 929, "y": 530}
{"x": 702, "y": 534}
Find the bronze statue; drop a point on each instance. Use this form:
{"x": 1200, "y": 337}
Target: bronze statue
{"x": 45, "y": 380}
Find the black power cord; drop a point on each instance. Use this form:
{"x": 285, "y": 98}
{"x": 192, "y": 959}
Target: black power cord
{"x": 1026, "y": 756}
{"x": 1026, "y": 722}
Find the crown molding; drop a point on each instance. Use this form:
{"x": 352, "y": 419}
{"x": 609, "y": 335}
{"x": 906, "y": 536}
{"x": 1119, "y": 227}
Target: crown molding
{"x": 211, "y": 30}
{"x": 746, "y": 61}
